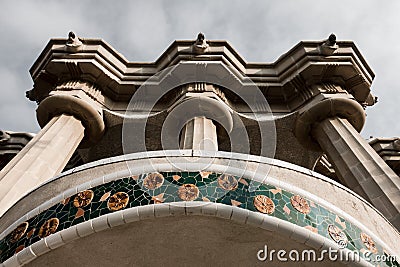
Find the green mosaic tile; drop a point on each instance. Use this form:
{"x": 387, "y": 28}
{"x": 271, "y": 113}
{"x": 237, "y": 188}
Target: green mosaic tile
{"x": 242, "y": 195}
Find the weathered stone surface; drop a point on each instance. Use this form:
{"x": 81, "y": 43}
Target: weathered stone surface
{"x": 44, "y": 157}
{"x": 359, "y": 166}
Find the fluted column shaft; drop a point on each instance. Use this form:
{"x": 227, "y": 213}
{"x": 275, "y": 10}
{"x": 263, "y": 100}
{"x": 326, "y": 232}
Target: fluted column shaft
{"x": 67, "y": 122}
{"x": 199, "y": 134}
{"x": 42, "y": 158}
{"x": 359, "y": 166}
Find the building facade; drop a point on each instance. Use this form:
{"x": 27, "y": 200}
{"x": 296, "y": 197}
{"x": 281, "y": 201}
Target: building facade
{"x": 199, "y": 158}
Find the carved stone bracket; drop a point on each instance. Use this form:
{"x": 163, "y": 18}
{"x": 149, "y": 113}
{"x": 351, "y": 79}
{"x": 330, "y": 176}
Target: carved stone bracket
{"x": 329, "y": 47}
{"x": 4, "y": 137}
{"x": 73, "y": 43}
{"x": 200, "y": 46}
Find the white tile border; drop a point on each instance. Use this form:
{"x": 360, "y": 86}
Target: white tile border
{"x": 235, "y": 214}
{"x": 188, "y": 153}
{"x": 131, "y": 170}
{"x": 191, "y": 153}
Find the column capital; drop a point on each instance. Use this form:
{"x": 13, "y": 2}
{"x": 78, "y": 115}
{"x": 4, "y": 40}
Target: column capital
{"x": 200, "y": 105}
{"x": 90, "y": 117}
{"x": 327, "y": 108}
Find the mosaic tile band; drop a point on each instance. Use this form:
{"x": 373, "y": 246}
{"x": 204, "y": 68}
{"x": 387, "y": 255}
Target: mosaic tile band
{"x": 164, "y": 187}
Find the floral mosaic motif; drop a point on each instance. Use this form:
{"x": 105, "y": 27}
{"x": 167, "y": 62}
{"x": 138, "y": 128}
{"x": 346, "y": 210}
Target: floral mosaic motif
{"x": 300, "y": 204}
{"x": 153, "y": 181}
{"x": 368, "y": 242}
{"x": 19, "y": 232}
{"x": 118, "y": 201}
{"x": 264, "y": 204}
{"x": 338, "y": 235}
{"x": 227, "y": 182}
{"x": 129, "y": 192}
{"x": 188, "y": 192}
{"x": 49, "y": 227}
{"x": 105, "y": 196}
{"x": 83, "y": 198}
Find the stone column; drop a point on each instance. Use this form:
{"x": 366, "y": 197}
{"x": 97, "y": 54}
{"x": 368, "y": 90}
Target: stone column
{"x": 66, "y": 121}
{"x": 199, "y": 134}
{"x": 331, "y": 125}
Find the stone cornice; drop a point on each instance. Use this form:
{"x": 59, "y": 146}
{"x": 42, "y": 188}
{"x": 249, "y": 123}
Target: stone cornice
{"x": 284, "y": 81}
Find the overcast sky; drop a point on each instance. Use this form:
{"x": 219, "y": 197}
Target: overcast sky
{"x": 141, "y": 30}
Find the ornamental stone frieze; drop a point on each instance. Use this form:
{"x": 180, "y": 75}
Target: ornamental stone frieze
{"x": 98, "y": 74}
{"x": 286, "y": 83}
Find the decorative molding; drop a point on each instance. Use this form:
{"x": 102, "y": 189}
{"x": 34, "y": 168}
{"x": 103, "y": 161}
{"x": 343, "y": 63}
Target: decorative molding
{"x": 73, "y": 69}
{"x": 90, "y": 89}
{"x": 102, "y": 65}
{"x": 329, "y": 88}
{"x": 300, "y": 86}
